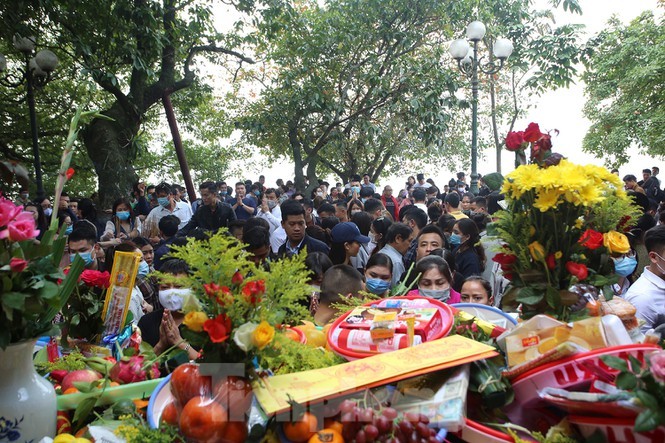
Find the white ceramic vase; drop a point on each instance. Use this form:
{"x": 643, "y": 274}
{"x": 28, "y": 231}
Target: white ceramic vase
{"x": 27, "y": 401}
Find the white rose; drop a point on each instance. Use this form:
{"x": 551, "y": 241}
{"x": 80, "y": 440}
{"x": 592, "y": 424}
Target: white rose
{"x": 243, "y": 335}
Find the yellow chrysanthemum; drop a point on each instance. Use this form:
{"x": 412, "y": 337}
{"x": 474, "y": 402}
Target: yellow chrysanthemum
{"x": 547, "y": 199}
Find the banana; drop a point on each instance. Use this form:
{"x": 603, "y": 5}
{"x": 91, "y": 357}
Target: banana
{"x": 98, "y": 364}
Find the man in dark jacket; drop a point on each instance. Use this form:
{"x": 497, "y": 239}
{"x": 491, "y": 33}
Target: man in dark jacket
{"x": 293, "y": 222}
{"x": 212, "y": 214}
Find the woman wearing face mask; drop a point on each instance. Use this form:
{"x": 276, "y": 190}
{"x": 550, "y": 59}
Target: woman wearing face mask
{"x": 161, "y": 328}
{"x": 624, "y": 267}
{"x": 346, "y": 243}
{"x": 379, "y": 274}
{"x": 435, "y": 280}
{"x": 124, "y": 225}
{"x": 40, "y": 218}
{"x": 469, "y": 253}
{"x": 354, "y": 206}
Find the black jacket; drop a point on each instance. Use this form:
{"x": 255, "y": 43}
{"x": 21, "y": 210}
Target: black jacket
{"x": 207, "y": 220}
{"x": 312, "y": 245}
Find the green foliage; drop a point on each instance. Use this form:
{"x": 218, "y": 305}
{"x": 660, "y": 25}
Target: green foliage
{"x": 287, "y": 356}
{"x": 70, "y": 362}
{"x": 625, "y": 73}
{"x": 610, "y": 212}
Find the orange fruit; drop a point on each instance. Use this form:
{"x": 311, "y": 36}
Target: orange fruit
{"x": 293, "y": 335}
{"x": 300, "y": 431}
{"x": 327, "y": 436}
{"x": 71, "y": 390}
{"x": 315, "y": 338}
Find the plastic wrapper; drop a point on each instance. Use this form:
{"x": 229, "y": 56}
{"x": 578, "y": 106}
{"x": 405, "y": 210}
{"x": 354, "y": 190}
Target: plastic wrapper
{"x": 119, "y": 292}
{"x": 361, "y": 340}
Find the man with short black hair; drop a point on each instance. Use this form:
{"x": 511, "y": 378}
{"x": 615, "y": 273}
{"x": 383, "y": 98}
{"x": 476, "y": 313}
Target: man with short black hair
{"x": 293, "y": 222}
{"x": 451, "y": 203}
{"x": 244, "y": 206}
{"x": 630, "y": 183}
{"x": 419, "y": 198}
{"x": 479, "y": 204}
{"x": 339, "y": 281}
{"x": 166, "y": 206}
{"x": 270, "y": 210}
{"x": 326, "y": 210}
{"x": 398, "y": 241}
{"x": 168, "y": 228}
{"x": 212, "y": 214}
{"x": 374, "y": 208}
{"x": 341, "y": 211}
{"x": 367, "y": 184}
{"x": 257, "y": 240}
{"x": 82, "y": 241}
{"x": 416, "y": 219}
{"x": 421, "y": 183}
{"x": 647, "y": 294}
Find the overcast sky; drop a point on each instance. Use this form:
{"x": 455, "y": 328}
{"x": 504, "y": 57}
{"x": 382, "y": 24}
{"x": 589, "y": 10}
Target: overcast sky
{"x": 561, "y": 109}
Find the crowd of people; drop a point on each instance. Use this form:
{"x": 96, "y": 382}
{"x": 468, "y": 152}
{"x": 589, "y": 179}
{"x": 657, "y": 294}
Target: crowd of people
{"x": 356, "y": 238}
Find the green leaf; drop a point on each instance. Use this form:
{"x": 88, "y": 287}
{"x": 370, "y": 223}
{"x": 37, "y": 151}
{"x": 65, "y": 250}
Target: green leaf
{"x": 626, "y": 381}
{"x": 635, "y": 364}
{"x": 615, "y": 362}
{"x": 646, "y": 421}
{"x": 647, "y": 399}
{"x": 528, "y": 296}
{"x": 13, "y": 300}
{"x": 553, "y": 297}
{"x": 49, "y": 290}
{"x": 84, "y": 409}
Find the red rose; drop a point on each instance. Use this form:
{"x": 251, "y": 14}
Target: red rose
{"x": 578, "y": 270}
{"x": 544, "y": 142}
{"x": 218, "y": 328}
{"x": 237, "y": 278}
{"x": 95, "y": 278}
{"x": 17, "y": 264}
{"x": 70, "y": 173}
{"x": 591, "y": 239}
{"x": 532, "y": 133}
{"x": 253, "y": 291}
{"x": 514, "y": 140}
{"x": 551, "y": 261}
{"x": 506, "y": 261}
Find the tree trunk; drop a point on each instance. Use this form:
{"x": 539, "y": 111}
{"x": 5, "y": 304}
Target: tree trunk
{"x": 311, "y": 174}
{"x": 108, "y": 144}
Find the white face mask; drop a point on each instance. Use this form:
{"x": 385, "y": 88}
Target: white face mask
{"x": 172, "y": 299}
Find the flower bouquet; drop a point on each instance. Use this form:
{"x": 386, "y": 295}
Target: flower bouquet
{"x": 236, "y": 315}
{"x": 562, "y": 225}
{"x": 82, "y": 315}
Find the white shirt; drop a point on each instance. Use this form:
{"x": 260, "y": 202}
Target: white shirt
{"x": 274, "y": 217}
{"x": 647, "y": 294}
{"x": 151, "y": 224}
{"x": 277, "y": 239}
{"x": 424, "y": 185}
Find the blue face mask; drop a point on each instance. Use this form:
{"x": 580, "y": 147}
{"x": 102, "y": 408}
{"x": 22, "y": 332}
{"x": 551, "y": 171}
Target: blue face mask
{"x": 143, "y": 269}
{"x": 69, "y": 230}
{"x": 377, "y": 286}
{"x": 625, "y": 266}
{"x": 122, "y": 215}
{"x": 455, "y": 239}
{"x": 222, "y": 193}
{"x": 355, "y": 189}
{"x": 163, "y": 201}
{"x": 86, "y": 256}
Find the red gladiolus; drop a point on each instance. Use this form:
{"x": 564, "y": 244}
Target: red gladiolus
{"x": 219, "y": 328}
{"x": 551, "y": 261}
{"x": 579, "y": 270}
{"x": 17, "y": 264}
{"x": 514, "y": 140}
{"x": 96, "y": 278}
{"x": 591, "y": 239}
{"x": 211, "y": 289}
{"x": 237, "y": 278}
{"x": 532, "y": 133}
{"x": 70, "y": 173}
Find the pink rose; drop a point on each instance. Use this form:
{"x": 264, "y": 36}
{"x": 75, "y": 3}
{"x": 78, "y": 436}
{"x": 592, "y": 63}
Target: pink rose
{"x": 514, "y": 140}
{"x": 22, "y": 227}
{"x": 532, "y": 133}
{"x": 17, "y": 264}
{"x": 657, "y": 360}
{"x": 8, "y": 211}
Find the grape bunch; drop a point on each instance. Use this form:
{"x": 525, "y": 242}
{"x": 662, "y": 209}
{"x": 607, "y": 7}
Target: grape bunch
{"x": 366, "y": 424}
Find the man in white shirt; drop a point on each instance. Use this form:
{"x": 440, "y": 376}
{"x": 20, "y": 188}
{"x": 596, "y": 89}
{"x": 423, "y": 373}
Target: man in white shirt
{"x": 421, "y": 182}
{"x": 167, "y": 206}
{"x": 647, "y": 294}
{"x": 270, "y": 210}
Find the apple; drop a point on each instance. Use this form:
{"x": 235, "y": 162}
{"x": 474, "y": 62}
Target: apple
{"x": 81, "y": 375}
